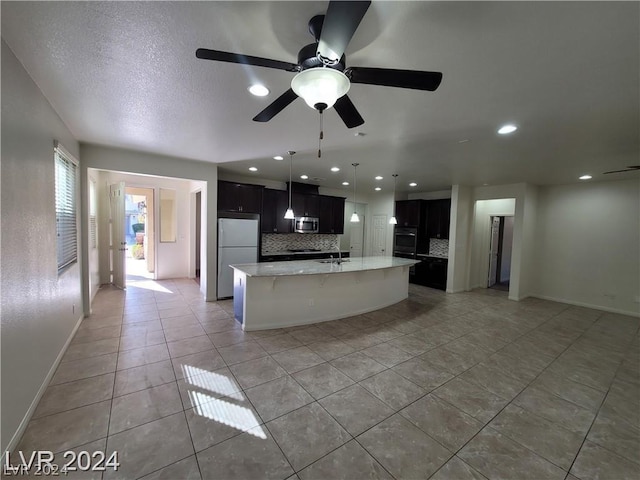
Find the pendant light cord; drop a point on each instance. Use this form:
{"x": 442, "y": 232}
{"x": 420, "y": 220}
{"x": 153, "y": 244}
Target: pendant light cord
{"x": 395, "y": 177}
{"x": 291, "y": 153}
{"x": 321, "y": 136}
{"x": 355, "y": 204}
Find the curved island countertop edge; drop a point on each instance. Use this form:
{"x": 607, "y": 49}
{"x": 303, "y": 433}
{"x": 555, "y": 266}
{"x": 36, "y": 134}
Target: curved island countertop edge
{"x": 316, "y": 267}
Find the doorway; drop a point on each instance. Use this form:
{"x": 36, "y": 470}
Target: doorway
{"x": 139, "y": 233}
{"x": 500, "y": 252}
{"x": 198, "y": 233}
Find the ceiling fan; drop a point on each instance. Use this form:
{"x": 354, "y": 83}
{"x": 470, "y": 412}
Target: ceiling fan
{"x": 630, "y": 168}
{"x": 323, "y": 79}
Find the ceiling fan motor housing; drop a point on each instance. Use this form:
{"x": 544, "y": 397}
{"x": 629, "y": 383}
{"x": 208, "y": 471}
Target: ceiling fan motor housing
{"x": 308, "y": 58}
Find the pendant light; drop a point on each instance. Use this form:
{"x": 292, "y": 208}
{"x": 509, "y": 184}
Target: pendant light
{"x": 289, "y": 213}
{"x": 393, "y": 220}
{"x": 354, "y": 217}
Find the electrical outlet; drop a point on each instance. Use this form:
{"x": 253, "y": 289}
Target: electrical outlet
{"x": 311, "y": 302}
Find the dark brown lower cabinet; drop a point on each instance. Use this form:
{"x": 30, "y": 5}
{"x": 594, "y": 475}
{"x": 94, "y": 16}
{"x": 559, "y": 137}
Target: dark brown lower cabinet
{"x": 432, "y": 272}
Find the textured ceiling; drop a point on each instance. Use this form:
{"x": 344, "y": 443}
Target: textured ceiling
{"x": 125, "y": 74}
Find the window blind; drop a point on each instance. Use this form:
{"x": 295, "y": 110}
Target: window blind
{"x": 93, "y": 222}
{"x": 66, "y": 178}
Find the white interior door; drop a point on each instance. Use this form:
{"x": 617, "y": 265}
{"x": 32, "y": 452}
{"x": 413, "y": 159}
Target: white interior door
{"x": 379, "y": 236}
{"x": 357, "y": 238}
{"x": 118, "y": 241}
{"x": 493, "y": 252}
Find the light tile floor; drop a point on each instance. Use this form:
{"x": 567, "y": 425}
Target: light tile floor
{"x": 464, "y": 386}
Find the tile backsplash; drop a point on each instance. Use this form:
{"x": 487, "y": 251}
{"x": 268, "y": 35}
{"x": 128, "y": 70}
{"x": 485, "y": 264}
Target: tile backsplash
{"x": 439, "y": 247}
{"x": 281, "y": 242}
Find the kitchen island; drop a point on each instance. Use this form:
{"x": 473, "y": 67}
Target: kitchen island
{"x": 286, "y": 294}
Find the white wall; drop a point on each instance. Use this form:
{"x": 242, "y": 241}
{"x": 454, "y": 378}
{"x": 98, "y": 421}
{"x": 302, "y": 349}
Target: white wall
{"x": 460, "y": 239}
{"x": 588, "y": 242}
{"x": 481, "y": 236}
{"x": 437, "y": 195}
{"x": 172, "y": 259}
{"x": 40, "y": 310}
{"x": 127, "y": 161}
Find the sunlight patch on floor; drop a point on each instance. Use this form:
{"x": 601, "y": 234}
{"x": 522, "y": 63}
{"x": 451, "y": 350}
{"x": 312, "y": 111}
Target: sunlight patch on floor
{"x": 227, "y": 413}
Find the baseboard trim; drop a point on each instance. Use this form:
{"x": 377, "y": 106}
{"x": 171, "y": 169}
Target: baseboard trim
{"x": 13, "y": 443}
{"x": 587, "y": 305}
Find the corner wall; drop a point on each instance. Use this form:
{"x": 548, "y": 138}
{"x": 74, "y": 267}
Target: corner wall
{"x": 40, "y": 310}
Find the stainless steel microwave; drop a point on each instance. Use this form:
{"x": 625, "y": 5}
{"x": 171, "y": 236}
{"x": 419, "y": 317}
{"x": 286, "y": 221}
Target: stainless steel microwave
{"x": 306, "y": 225}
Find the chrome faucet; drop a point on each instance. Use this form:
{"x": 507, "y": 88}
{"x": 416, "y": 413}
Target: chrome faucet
{"x": 339, "y": 254}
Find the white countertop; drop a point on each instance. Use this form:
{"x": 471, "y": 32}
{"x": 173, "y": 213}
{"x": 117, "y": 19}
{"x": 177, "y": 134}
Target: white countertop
{"x": 314, "y": 267}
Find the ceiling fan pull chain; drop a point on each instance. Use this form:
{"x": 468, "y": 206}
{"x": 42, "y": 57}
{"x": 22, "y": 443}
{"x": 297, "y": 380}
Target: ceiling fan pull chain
{"x": 321, "y": 136}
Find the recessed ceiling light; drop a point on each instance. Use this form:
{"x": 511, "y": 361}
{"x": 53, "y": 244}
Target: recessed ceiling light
{"x": 335, "y": 169}
{"x": 259, "y": 90}
{"x": 278, "y": 157}
{"x": 585, "y": 177}
{"x": 345, "y": 183}
{"x": 413, "y": 184}
{"x": 377, "y": 189}
{"x": 253, "y": 169}
{"x": 304, "y": 177}
{"x": 509, "y": 128}
{"x": 378, "y": 177}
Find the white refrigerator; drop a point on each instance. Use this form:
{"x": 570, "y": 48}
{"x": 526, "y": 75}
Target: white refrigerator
{"x": 237, "y": 243}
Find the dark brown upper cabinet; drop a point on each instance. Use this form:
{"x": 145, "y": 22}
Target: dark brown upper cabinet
{"x": 274, "y": 205}
{"x": 410, "y": 213}
{"x": 438, "y": 218}
{"x": 331, "y": 214}
{"x": 239, "y": 197}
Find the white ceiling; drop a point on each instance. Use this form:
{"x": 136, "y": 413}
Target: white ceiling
{"x": 125, "y": 74}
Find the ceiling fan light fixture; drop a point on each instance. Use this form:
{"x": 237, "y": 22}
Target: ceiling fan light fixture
{"x": 320, "y": 86}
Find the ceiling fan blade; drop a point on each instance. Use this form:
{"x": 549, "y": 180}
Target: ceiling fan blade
{"x": 219, "y": 56}
{"x": 340, "y": 23}
{"x": 630, "y": 168}
{"x": 276, "y": 107}
{"x": 348, "y": 112}
{"x": 389, "y": 77}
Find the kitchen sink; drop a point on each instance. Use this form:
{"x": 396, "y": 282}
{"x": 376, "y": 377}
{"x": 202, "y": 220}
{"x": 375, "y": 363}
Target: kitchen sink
{"x": 329, "y": 260}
